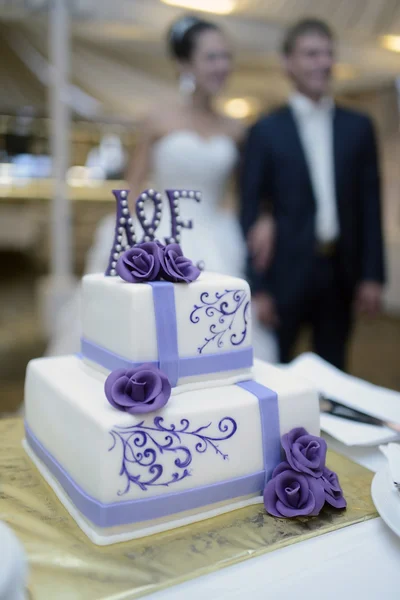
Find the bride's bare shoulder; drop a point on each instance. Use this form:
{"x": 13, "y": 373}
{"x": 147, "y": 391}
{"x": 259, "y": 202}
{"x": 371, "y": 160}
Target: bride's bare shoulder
{"x": 159, "y": 119}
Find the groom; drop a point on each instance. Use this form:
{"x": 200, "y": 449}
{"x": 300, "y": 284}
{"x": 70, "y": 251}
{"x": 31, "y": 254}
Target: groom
{"x": 311, "y": 209}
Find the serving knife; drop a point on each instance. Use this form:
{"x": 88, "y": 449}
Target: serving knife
{"x": 337, "y": 409}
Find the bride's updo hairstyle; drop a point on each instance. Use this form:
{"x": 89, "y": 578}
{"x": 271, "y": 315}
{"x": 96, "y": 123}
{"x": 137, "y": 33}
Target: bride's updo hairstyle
{"x": 183, "y": 34}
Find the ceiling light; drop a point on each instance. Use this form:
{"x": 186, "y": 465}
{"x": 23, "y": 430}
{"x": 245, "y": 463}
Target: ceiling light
{"x": 238, "y": 108}
{"x": 218, "y": 7}
{"x": 391, "y": 42}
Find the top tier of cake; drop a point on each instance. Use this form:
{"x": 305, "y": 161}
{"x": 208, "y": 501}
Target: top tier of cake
{"x": 195, "y": 332}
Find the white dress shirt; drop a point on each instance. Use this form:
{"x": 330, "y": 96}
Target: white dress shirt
{"x": 315, "y": 124}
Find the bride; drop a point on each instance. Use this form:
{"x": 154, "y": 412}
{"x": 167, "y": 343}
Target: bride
{"x": 189, "y": 146}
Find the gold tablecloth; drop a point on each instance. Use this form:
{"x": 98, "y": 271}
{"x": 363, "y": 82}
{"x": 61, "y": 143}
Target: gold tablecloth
{"x": 64, "y": 564}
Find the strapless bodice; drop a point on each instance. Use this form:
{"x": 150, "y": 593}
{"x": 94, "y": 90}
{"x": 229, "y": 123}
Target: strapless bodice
{"x": 185, "y": 160}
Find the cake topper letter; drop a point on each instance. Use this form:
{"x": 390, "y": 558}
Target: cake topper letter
{"x": 125, "y": 237}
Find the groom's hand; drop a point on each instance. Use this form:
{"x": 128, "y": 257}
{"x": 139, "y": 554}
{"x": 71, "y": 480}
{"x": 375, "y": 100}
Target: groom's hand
{"x": 265, "y": 309}
{"x": 261, "y": 241}
{"x": 369, "y": 298}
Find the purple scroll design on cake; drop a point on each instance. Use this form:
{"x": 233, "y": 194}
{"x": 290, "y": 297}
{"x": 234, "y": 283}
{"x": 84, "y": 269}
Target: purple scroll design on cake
{"x": 123, "y": 225}
{"x": 227, "y": 310}
{"x": 177, "y": 224}
{"x": 144, "y": 445}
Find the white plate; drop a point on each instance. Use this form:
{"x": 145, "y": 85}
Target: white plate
{"x": 386, "y": 499}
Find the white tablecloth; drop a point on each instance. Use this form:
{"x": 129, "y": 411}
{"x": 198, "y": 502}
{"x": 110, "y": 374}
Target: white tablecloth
{"x": 361, "y": 560}
{"x": 13, "y": 566}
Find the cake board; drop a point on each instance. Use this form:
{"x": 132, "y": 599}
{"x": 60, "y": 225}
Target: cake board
{"x": 55, "y": 544}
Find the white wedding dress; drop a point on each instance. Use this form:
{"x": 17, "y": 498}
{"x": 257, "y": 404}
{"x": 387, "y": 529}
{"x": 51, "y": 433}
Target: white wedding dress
{"x": 183, "y": 160}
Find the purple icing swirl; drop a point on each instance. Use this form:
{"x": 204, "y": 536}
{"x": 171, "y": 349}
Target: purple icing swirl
{"x": 140, "y": 263}
{"x": 293, "y": 494}
{"x": 146, "y": 445}
{"x": 305, "y": 453}
{"x": 228, "y": 311}
{"x": 138, "y": 390}
{"x": 175, "y": 267}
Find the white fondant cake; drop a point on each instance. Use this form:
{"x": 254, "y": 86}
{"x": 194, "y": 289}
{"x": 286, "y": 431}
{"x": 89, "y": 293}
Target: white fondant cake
{"x": 206, "y": 451}
{"x": 119, "y": 320}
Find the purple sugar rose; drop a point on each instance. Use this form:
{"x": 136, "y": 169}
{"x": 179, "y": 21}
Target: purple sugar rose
{"x": 140, "y": 263}
{"x": 175, "y": 267}
{"x": 138, "y": 390}
{"x": 304, "y": 452}
{"x": 283, "y": 466}
{"x": 333, "y": 491}
{"x": 293, "y": 494}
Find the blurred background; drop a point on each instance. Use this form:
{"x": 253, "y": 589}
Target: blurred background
{"x": 76, "y": 76}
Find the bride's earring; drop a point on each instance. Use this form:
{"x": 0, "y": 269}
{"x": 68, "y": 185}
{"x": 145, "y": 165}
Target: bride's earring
{"x": 187, "y": 84}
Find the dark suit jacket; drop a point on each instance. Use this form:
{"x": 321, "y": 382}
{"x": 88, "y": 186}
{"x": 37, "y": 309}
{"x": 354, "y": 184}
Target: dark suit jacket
{"x": 275, "y": 171}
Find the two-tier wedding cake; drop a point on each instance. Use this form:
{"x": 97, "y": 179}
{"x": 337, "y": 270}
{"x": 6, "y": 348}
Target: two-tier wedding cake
{"x": 164, "y": 418}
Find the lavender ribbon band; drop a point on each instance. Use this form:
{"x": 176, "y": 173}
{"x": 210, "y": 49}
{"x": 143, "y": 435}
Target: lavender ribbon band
{"x": 136, "y": 511}
{"x": 167, "y": 329}
{"x": 270, "y": 430}
{"x": 188, "y": 366}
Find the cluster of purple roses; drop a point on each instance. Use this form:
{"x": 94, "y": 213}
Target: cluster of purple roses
{"x": 153, "y": 261}
{"x": 302, "y": 483}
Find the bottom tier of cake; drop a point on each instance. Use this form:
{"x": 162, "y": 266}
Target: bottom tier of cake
{"x": 121, "y": 476}
{"x": 104, "y": 536}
